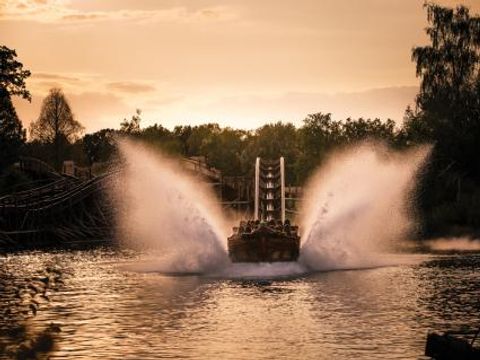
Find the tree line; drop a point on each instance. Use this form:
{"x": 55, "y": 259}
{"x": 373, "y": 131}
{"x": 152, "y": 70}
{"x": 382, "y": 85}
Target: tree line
{"x": 446, "y": 114}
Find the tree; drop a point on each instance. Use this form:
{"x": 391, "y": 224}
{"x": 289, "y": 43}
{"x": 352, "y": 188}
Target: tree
{"x": 12, "y": 82}
{"x": 12, "y": 75}
{"x": 132, "y": 126}
{"x": 318, "y": 135}
{"x": 161, "y": 138}
{"x": 183, "y": 133}
{"x": 223, "y": 150}
{"x": 270, "y": 142}
{"x": 449, "y": 115}
{"x": 56, "y": 124}
{"x": 12, "y": 134}
{"x": 99, "y": 146}
{"x": 449, "y": 69}
{"x": 199, "y": 136}
{"x": 367, "y": 129}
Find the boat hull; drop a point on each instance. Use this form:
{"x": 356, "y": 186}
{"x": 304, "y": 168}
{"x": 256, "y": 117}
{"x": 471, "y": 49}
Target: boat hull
{"x": 263, "y": 246}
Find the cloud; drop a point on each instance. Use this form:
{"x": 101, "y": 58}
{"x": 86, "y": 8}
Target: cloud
{"x": 130, "y": 87}
{"x": 78, "y": 82}
{"x": 57, "y": 77}
{"x": 73, "y": 83}
{"x": 58, "y": 11}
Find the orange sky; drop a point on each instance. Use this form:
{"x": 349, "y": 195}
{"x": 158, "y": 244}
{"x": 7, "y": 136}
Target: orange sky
{"x": 240, "y": 63}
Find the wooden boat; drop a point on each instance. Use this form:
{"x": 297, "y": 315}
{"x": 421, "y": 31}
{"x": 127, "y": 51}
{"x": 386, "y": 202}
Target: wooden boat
{"x": 256, "y": 241}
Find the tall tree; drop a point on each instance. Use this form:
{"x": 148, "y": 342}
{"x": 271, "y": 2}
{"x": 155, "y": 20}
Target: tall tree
{"x": 12, "y": 74}
{"x": 12, "y": 134}
{"x": 449, "y": 69}
{"x": 449, "y": 112}
{"x": 12, "y": 82}
{"x": 56, "y": 124}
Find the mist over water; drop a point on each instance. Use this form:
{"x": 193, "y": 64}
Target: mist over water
{"x": 355, "y": 207}
{"x": 454, "y": 244}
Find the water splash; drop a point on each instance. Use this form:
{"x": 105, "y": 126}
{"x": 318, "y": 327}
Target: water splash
{"x": 357, "y": 206}
{"x": 163, "y": 210}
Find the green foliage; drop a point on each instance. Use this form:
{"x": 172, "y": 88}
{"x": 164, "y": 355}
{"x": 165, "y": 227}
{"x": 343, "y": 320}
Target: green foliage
{"x": 223, "y": 150}
{"x": 161, "y": 138}
{"x": 199, "y": 136}
{"x": 233, "y": 151}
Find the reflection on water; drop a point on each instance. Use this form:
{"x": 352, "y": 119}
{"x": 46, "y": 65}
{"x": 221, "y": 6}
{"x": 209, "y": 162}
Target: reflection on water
{"x": 89, "y": 306}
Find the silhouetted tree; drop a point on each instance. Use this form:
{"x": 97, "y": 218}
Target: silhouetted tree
{"x": 183, "y": 133}
{"x": 132, "y": 126}
{"x": 56, "y": 124}
{"x": 199, "y": 136}
{"x": 367, "y": 129}
{"x": 318, "y": 135}
{"x": 161, "y": 138}
{"x": 223, "y": 150}
{"x": 99, "y": 146}
{"x": 449, "y": 115}
{"x": 270, "y": 142}
{"x": 12, "y": 82}
{"x": 12, "y": 134}
{"x": 12, "y": 74}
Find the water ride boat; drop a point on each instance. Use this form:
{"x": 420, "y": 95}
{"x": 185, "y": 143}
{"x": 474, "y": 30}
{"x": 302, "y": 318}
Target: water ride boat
{"x": 269, "y": 236}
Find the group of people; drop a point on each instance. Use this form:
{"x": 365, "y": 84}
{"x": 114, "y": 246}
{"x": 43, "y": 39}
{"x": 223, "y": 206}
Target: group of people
{"x": 253, "y": 225}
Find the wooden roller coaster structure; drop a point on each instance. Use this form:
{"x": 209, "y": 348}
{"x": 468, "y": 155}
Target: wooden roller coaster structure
{"x": 66, "y": 211}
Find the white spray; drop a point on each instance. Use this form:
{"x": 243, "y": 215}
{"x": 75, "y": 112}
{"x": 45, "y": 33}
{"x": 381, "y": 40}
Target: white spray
{"x": 357, "y": 205}
{"x": 165, "y": 211}
{"x": 354, "y": 206}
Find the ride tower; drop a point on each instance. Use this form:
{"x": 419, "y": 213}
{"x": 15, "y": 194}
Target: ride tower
{"x": 269, "y": 190}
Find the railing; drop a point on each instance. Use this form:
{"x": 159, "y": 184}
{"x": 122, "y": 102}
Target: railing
{"x": 65, "y": 200}
{"x": 31, "y": 196}
{"x": 29, "y": 164}
{"x": 202, "y": 168}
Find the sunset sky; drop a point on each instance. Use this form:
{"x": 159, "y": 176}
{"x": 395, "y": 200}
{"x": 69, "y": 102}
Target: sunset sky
{"x": 240, "y": 63}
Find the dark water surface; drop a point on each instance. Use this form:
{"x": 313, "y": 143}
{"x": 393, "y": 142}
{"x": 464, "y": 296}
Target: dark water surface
{"x": 85, "y": 305}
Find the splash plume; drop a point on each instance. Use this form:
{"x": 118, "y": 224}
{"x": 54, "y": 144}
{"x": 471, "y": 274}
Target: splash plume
{"x": 357, "y": 205}
{"x": 165, "y": 211}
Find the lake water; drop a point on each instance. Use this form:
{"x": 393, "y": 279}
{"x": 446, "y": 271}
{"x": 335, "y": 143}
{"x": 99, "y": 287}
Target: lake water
{"x": 87, "y": 305}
